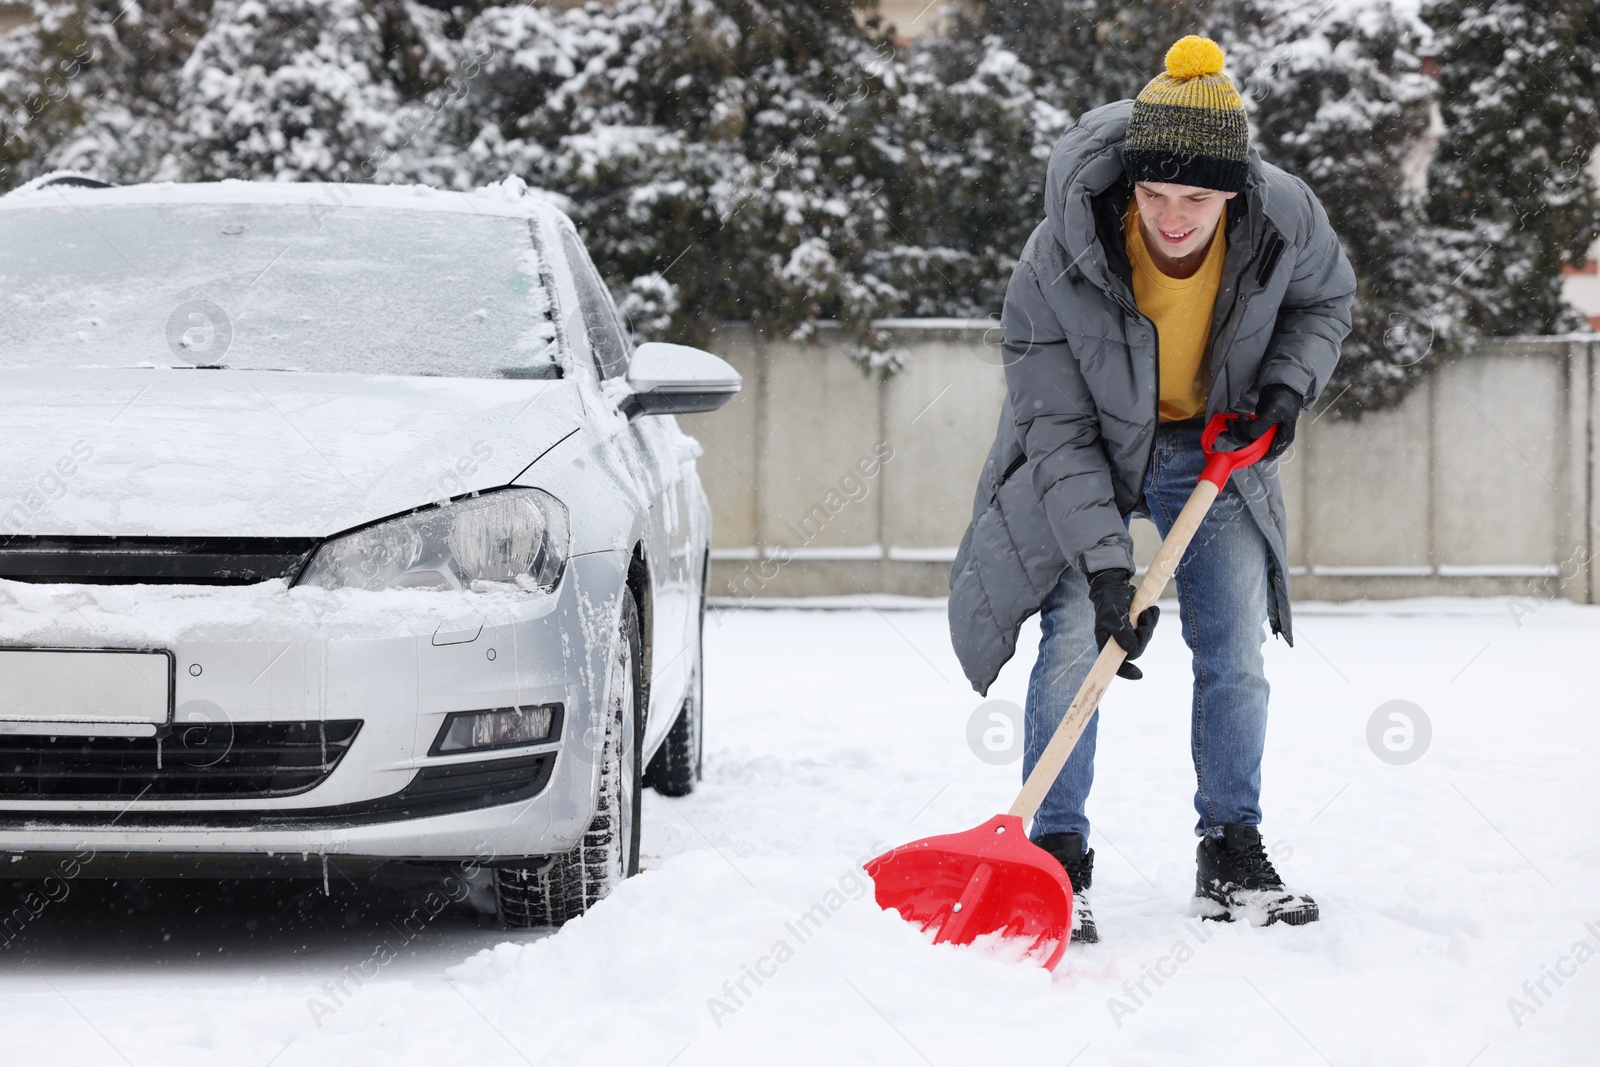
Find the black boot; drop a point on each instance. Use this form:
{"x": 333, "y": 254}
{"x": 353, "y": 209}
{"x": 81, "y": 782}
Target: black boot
{"x": 1236, "y": 880}
{"x": 1069, "y": 852}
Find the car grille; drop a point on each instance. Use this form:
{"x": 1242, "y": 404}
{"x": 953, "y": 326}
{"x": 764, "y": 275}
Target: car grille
{"x": 437, "y": 790}
{"x": 153, "y": 560}
{"x": 199, "y": 761}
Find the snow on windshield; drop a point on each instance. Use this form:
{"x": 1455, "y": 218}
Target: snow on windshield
{"x": 274, "y": 287}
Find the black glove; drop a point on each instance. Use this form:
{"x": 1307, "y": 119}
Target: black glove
{"x": 1277, "y": 406}
{"x": 1112, "y": 594}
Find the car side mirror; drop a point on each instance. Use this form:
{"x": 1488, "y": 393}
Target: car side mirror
{"x": 676, "y": 379}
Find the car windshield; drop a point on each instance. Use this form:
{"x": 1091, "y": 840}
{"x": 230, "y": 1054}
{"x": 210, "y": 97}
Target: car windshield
{"x": 274, "y": 287}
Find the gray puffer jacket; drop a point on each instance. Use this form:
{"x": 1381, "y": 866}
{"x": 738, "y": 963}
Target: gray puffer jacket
{"x": 1078, "y": 425}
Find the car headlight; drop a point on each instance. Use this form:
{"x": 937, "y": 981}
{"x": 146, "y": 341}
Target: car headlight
{"x": 514, "y": 535}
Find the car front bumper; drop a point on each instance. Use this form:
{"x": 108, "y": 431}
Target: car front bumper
{"x": 398, "y": 663}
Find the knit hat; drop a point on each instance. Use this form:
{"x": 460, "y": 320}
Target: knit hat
{"x": 1188, "y": 124}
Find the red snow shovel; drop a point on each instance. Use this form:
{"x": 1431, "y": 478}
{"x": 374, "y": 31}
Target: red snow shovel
{"x": 992, "y": 879}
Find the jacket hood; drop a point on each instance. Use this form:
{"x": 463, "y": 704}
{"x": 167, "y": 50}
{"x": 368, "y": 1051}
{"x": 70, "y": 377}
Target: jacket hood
{"x": 1085, "y": 162}
{"x": 138, "y": 453}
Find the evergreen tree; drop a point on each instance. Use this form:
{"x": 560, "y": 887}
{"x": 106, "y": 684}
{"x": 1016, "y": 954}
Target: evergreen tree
{"x": 724, "y": 156}
{"x": 38, "y": 110}
{"x": 136, "y": 90}
{"x": 782, "y": 161}
{"x": 1339, "y": 99}
{"x": 1087, "y": 53}
{"x": 970, "y": 138}
{"x": 92, "y": 85}
{"x": 1522, "y": 117}
{"x": 308, "y": 90}
{"x": 987, "y": 100}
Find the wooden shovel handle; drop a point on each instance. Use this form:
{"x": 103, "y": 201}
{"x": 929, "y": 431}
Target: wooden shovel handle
{"x": 1105, "y": 667}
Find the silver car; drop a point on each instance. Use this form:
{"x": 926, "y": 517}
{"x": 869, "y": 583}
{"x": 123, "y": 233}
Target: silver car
{"x": 340, "y": 526}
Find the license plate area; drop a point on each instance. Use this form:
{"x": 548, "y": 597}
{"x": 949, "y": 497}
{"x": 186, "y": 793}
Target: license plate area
{"x": 81, "y": 690}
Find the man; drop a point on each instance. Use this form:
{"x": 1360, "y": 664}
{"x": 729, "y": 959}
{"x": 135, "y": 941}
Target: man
{"x": 1176, "y": 275}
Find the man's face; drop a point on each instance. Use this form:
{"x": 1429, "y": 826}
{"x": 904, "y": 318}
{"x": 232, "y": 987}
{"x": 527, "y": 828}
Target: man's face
{"x": 1178, "y": 220}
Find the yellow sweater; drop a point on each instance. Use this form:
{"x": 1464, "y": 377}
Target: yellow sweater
{"x": 1181, "y": 308}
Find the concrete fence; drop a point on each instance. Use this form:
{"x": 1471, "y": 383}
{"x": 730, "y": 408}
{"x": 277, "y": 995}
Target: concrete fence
{"x": 825, "y": 481}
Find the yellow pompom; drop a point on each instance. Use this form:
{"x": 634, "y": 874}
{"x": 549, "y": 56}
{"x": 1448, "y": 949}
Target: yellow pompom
{"x": 1194, "y": 56}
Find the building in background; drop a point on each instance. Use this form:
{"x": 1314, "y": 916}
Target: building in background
{"x": 912, "y": 18}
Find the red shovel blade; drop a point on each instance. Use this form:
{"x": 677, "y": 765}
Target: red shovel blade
{"x": 987, "y": 880}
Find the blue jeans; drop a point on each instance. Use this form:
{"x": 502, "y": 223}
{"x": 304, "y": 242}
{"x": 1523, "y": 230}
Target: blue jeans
{"x": 1222, "y": 605}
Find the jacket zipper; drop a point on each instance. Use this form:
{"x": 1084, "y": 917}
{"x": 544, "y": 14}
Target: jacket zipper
{"x": 1235, "y": 305}
{"x": 1132, "y": 308}
{"x": 1150, "y": 451}
{"x": 1155, "y": 335}
{"x": 1268, "y": 258}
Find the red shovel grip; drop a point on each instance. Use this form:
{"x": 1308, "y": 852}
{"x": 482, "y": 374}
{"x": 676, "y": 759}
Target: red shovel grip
{"x": 1221, "y": 465}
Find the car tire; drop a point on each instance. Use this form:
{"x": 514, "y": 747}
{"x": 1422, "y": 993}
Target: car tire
{"x": 568, "y": 885}
{"x": 677, "y": 764}
{"x": 675, "y": 768}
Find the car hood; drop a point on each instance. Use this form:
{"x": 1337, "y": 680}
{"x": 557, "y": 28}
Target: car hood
{"x": 137, "y": 452}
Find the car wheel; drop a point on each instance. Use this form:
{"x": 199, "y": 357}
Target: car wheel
{"x": 676, "y": 766}
{"x": 570, "y": 884}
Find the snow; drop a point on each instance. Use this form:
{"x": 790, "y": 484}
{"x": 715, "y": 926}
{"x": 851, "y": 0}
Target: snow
{"x": 1445, "y": 884}
{"x": 511, "y": 198}
{"x": 179, "y": 452}
{"x": 85, "y": 616}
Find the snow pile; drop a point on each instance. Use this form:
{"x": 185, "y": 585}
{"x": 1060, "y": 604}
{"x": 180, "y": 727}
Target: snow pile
{"x": 718, "y": 954}
{"x": 1458, "y": 890}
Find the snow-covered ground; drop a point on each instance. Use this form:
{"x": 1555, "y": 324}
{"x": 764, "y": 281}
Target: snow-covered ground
{"x": 1456, "y": 889}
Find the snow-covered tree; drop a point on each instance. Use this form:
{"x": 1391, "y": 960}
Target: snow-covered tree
{"x": 133, "y": 90}
{"x": 988, "y": 99}
{"x": 783, "y": 161}
{"x": 307, "y": 90}
{"x": 1086, "y": 53}
{"x": 93, "y": 85}
{"x": 969, "y": 139}
{"x": 1339, "y": 98}
{"x": 1520, "y": 94}
{"x": 724, "y": 157}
